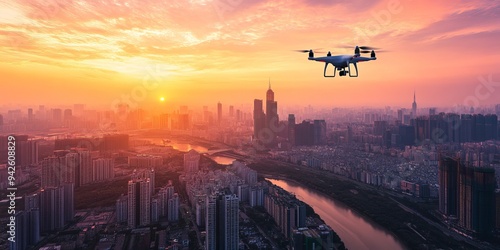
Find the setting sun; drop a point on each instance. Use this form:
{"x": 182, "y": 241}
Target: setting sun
{"x": 162, "y": 99}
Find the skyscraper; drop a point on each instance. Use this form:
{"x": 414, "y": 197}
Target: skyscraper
{"x": 121, "y": 209}
{"x": 173, "y": 208}
{"x": 139, "y": 202}
{"x": 448, "y": 186}
{"x": 164, "y": 195}
{"x": 219, "y": 113}
{"x": 272, "y": 118}
{"x": 84, "y": 167}
{"x": 191, "y": 161}
{"x": 221, "y": 224}
{"x": 155, "y": 209}
{"x": 30, "y": 114}
{"x": 26, "y": 152}
{"x": 291, "y": 129}
{"x": 414, "y": 106}
{"x": 469, "y": 194}
{"x": 259, "y": 118}
{"x": 102, "y": 169}
{"x": 51, "y": 209}
{"x": 231, "y": 111}
{"x": 319, "y": 132}
{"x": 69, "y": 201}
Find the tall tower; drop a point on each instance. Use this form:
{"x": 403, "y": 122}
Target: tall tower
{"x": 222, "y": 225}
{"x": 173, "y": 208}
{"x": 219, "y": 112}
{"x": 51, "y": 209}
{"x": 139, "y": 201}
{"x": 469, "y": 194}
{"x": 269, "y": 93}
{"x": 448, "y": 185}
{"x": 291, "y": 129}
{"x": 414, "y": 106}
{"x": 259, "y": 118}
{"x": 272, "y": 118}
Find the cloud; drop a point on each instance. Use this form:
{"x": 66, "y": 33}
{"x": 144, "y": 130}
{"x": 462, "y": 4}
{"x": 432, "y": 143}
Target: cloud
{"x": 457, "y": 24}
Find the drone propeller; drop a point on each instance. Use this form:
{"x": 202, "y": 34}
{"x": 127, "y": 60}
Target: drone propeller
{"x": 307, "y": 50}
{"x": 369, "y": 51}
{"x": 360, "y": 47}
{"x": 368, "y": 48}
{"x": 301, "y": 50}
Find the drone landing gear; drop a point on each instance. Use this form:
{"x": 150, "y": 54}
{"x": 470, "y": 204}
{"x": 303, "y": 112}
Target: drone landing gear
{"x": 324, "y": 72}
{"x": 342, "y": 71}
{"x": 356, "y": 67}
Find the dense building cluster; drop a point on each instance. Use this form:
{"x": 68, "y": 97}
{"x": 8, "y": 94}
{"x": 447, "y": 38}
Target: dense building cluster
{"x": 467, "y": 196}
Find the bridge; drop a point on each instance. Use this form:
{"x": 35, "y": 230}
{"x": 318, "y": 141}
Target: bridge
{"x": 217, "y": 151}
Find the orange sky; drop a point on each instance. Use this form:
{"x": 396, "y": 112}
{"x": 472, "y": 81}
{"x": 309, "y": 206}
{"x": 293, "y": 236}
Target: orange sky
{"x": 204, "y": 51}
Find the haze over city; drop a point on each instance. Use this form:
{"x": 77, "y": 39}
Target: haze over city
{"x": 195, "y": 124}
{"x": 197, "y": 50}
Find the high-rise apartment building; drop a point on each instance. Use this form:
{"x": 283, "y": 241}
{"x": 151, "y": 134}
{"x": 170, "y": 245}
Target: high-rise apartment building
{"x": 221, "y": 223}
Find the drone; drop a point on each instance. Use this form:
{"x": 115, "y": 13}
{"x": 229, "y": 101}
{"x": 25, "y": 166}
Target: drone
{"x": 342, "y": 63}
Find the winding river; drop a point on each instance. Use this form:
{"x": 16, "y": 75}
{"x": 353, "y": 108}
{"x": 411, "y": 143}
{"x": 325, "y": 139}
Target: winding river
{"x": 357, "y": 232}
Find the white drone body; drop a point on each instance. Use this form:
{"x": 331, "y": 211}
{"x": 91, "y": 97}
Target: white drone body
{"x": 342, "y": 63}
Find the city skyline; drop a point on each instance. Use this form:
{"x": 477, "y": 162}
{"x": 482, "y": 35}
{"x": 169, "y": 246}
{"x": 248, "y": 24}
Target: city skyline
{"x": 195, "y": 124}
{"x": 107, "y": 50}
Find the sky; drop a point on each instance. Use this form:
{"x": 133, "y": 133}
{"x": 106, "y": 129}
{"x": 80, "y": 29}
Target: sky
{"x": 200, "y": 52}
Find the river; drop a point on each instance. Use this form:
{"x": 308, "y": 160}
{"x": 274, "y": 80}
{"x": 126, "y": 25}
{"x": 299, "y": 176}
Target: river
{"x": 185, "y": 147}
{"x": 357, "y": 232}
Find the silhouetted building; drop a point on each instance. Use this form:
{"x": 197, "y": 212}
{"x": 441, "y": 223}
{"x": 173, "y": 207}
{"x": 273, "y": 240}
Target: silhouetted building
{"x": 222, "y": 222}
{"x": 272, "y": 118}
{"x": 52, "y": 209}
{"x": 414, "y": 106}
{"x": 432, "y": 111}
{"x": 448, "y": 186}
{"x": 466, "y": 126}
{"x": 57, "y": 115}
{"x": 139, "y": 203}
{"x": 453, "y": 128}
{"x": 478, "y": 126}
{"x": 468, "y": 193}
{"x": 319, "y": 132}
{"x": 173, "y": 208}
{"x": 26, "y": 152}
{"x": 304, "y": 134}
{"x": 400, "y": 115}
{"x": 379, "y": 127}
{"x": 30, "y": 114}
{"x": 68, "y": 114}
{"x": 291, "y": 129}
{"x": 483, "y": 202}
{"x": 122, "y": 209}
{"x": 259, "y": 118}
{"x": 491, "y": 127}
{"x": 219, "y": 113}
{"x": 102, "y": 169}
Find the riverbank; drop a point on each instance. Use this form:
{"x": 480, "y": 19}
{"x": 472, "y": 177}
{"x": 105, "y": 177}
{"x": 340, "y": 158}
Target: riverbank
{"x": 366, "y": 201}
{"x": 355, "y": 230}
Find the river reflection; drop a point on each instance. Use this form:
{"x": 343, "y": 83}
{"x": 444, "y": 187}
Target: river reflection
{"x": 355, "y": 231}
{"x": 185, "y": 147}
